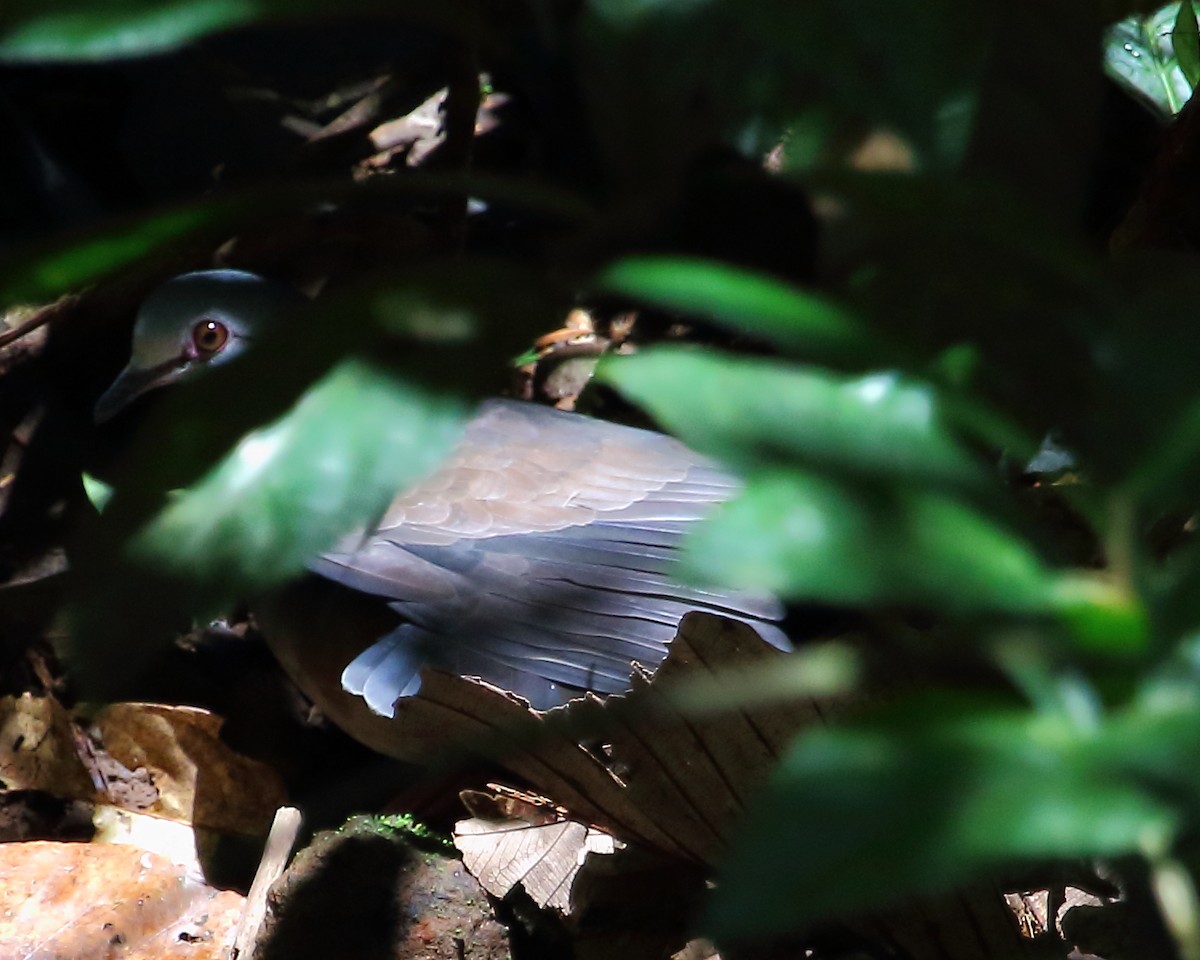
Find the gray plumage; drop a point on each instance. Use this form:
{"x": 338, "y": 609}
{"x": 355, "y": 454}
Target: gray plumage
{"x": 539, "y": 557}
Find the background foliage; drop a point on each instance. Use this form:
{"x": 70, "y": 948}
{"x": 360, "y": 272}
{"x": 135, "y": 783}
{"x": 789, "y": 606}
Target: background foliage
{"x": 919, "y": 294}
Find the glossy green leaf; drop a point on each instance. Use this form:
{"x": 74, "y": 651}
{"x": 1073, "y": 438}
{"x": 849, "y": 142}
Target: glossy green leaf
{"x": 1139, "y": 55}
{"x": 809, "y": 538}
{"x": 753, "y": 303}
{"x": 288, "y": 490}
{"x": 924, "y": 798}
{"x": 751, "y": 412}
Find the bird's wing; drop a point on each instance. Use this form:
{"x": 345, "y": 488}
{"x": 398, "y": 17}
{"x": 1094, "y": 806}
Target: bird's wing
{"x": 539, "y": 557}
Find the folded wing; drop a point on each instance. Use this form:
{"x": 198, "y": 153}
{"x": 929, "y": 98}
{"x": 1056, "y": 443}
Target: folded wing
{"x": 539, "y": 558}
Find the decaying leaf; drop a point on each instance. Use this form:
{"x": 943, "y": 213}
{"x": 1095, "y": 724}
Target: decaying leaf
{"x": 541, "y": 853}
{"x": 37, "y": 748}
{"x": 198, "y": 778}
{"x": 94, "y": 902}
{"x": 166, "y": 761}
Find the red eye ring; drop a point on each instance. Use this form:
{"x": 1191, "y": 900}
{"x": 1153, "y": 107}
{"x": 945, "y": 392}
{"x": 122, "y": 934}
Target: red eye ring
{"x": 209, "y": 336}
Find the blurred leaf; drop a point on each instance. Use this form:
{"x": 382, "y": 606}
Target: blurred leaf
{"x": 909, "y": 66}
{"x": 810, "y": 538}
{"x": 288, "y": 490}
{"x": 751, "y": 411}
{"x": 75, "y": 261}
{"x": 740, "y": 71}
{"x": 755, "y": 304}
{"x": 922, "y": 798}
{"x": 793, "y": 534}
{"x": 1140, "y": 56}
{"x": 97, "y": 491}
{"x": 43, "y": 271}
{"x": 134, "y": 28}
{"x": 1186, "y": 41}
{"x": 1038, "y": 107}
{"x": 83, "y": 30}
{"x": 1172, "y": 458}
{"x": 1102, "y": 615}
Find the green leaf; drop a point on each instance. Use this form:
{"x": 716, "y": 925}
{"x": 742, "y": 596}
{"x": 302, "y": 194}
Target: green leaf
{"x": 109, "y": 29}
{"x": 1186, "y": 41}
{"x": 792, "y": 534}
{"x": 117, "y": 30}
{"x": 1102, "y": 616}
{"x": 754, "y": 303}
{"x": 1140, "y": 56}
{"x": 32, "y": 31}
{"x": 97, "y": 491}
{"x": 288, "y": 490}
{"x": 960, "y": 559}
{"x": 42, "y": 275}
{"x": 923, "y": 798}
{"x": 908, "y": 66}
{"x": 805, "y": 537}
{"x": 751, "y": 412}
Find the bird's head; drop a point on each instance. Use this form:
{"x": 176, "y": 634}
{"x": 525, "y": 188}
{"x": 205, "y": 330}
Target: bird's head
{"x": 193, "y": 322}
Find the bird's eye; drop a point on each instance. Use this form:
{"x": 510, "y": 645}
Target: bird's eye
{"x": 209, "y": 336}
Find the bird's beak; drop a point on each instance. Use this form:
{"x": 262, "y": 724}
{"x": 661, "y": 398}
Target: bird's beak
{"x": 131, "y": 384}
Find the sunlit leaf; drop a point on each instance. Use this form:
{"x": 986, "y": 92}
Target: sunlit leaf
{"x": 793, "y": 534}
{"x": 1139, "y": 55}
{"x": 1102, "y": 616}
{"x": 753, "y": 411}
{"x": 810, "y": 538}
{"x": 754, "y": 303}
{"x": 288, "y": 490}
{"x": 97, "y": 491}
{"x": 924, "y": 798}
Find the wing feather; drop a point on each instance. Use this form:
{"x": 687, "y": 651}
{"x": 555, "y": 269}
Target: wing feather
{"x": 540, "y": 558}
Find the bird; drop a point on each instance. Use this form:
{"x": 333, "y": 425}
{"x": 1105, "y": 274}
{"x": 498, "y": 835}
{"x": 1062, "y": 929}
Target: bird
{"x": 541, "y": 556}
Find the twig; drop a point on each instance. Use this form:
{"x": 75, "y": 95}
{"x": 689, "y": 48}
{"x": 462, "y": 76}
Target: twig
{"x": 41, "y": 317}
{"x": 280, "y": 841}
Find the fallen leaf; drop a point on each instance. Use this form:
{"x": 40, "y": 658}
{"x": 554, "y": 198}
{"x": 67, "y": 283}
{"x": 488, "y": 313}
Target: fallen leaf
{"x": 37, "y": 748}
{"x": 199, "y": 779}
{"x": 542, "y": 856}
{"x": 95, "y": 902}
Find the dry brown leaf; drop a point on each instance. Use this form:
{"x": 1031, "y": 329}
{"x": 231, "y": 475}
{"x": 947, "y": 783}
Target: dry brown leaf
{"x": 540, "y": 851}
{"x": 37, "y": 748}
{"x": 167, "y": 761}
{"x": 198, "y": 778}
{"x": 86, "y": 901}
